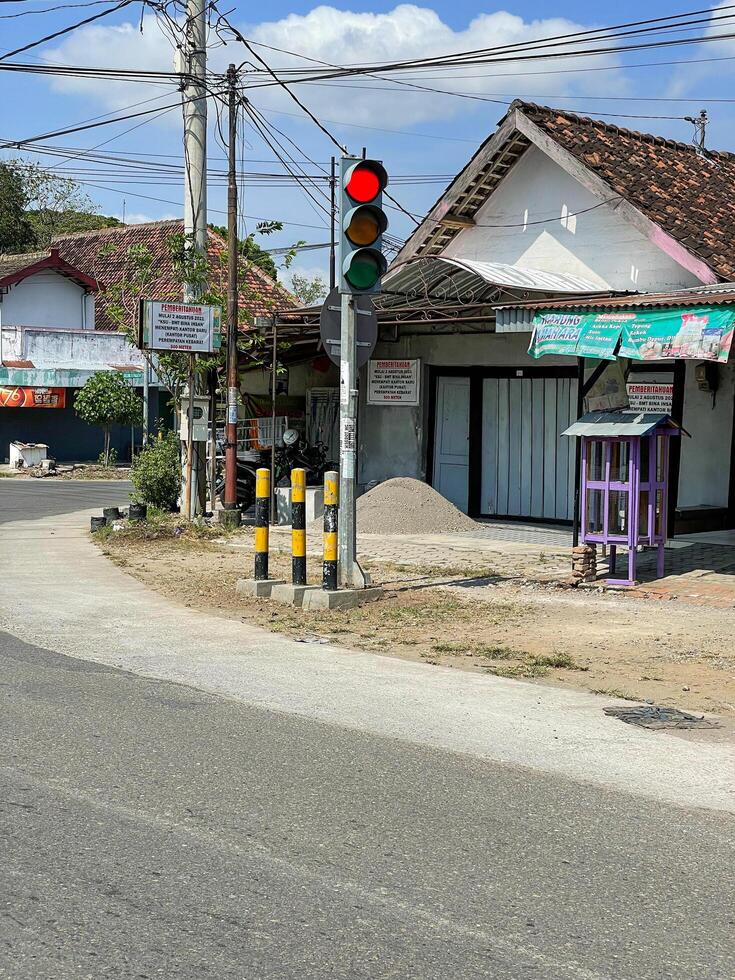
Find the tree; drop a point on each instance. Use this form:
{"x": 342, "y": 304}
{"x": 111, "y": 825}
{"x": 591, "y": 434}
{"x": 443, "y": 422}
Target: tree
{"x": 249, "y": 248}
{"x": 106, "y": 400}
{"x": 308, "y": 291}
{"x": 16, "y": 231}
{"x": 36, "y": 206}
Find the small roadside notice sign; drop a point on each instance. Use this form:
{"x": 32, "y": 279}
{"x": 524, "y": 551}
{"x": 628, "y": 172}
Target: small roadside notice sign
{"x": 650, "y": 397}
{"x": 393, "y": 382}
{"x": 166, "y": 325}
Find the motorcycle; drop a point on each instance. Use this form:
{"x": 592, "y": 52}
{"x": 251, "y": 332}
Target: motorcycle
{"x": 297, "y": 453}
{"x": 294, "y": 452}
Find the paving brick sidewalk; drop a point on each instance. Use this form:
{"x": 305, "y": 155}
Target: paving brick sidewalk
{"x": 701, "y": 574}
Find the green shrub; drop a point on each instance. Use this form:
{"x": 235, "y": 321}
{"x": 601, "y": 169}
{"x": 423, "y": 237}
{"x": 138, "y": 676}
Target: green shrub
{"x": 106, "y": 400}
{"x": 156, "y": 473}
{"x": 110, "y": 460}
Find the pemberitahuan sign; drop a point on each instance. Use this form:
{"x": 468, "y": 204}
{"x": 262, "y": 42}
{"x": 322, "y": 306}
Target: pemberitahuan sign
{"x": 169, "y": 326}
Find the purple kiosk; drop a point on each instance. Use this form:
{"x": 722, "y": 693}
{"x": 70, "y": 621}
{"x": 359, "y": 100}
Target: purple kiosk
{"x": 624, "y": 492}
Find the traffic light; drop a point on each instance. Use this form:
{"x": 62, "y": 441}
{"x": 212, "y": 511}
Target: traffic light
{"x": 363, "y": 222}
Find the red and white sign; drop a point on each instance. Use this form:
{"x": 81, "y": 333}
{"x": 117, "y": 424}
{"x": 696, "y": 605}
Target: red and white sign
{"x": 180, "y": 326}
{"x": 24, "y": 397}
{"x": 644, "y": 396}
{"x": 393, "y": 382}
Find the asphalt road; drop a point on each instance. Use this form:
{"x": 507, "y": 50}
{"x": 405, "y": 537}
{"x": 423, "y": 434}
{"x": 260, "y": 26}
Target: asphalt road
{"x": 152, "y": 830}
{"x": 21, "y": 499}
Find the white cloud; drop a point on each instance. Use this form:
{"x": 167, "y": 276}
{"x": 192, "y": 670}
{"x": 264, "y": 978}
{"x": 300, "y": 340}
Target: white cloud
{"x": 138, "y": 218}
{"x": 338, "y": 36}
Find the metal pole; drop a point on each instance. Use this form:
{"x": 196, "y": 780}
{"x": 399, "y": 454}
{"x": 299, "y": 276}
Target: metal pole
{"x": 350, "y": 573}
{"x": 233, "y": 390}
{"x": 333, "y": 224}
{"x": 146, "y": 397}
{"x": 189, "y": 498}
{"x": 194, "y": 96}
{"x": 274, "y": 373}
{"x": 213, "y": 439}
{"x": 298, "y": 526}
{"x": 331, "y": 511}
{"x": 576, "y": 520}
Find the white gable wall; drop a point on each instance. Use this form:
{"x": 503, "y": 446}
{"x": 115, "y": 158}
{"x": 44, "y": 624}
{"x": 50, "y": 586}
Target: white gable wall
{"x": 47, "y": 300}
{"x": 596, "y": 244}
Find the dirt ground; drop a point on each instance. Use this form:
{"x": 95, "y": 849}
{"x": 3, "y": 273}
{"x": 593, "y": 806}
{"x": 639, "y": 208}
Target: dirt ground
{"x": 667, "y": 653}
{"x": 85, "y": 471}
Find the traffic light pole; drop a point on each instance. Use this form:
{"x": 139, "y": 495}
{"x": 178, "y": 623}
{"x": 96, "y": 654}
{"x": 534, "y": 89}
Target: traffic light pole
{"x": 349, "y": 572}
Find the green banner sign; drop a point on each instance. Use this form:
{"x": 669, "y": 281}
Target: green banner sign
{"x": 703, "y": 333}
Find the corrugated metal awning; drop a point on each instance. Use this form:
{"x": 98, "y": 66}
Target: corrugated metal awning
{"x": 443, "y": 279}
{"x": 620, "y": 424}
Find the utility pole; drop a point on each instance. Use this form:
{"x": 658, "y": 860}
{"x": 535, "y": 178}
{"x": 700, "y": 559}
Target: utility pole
{"x": 195, "y": 201}
{"x": 333, "y": 224}
{"x": 233, "y": 389}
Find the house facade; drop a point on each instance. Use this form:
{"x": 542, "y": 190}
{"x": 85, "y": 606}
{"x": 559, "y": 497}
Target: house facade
{"x": 58, "y": 327}
{"x": 553, "y": 210}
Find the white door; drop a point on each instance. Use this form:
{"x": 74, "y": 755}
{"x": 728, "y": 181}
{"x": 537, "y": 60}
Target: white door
{"x": 527, "y": 465}
{"x": 451, "y": 440}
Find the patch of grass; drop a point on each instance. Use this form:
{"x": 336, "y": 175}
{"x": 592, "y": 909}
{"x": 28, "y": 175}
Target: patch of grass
{"x": 615, "y": 692}
{"x": 562, "y": 660}
{"x": 517, "y": 670}
{"x": 498, "y": 653}
{"x": 441, "y": 571}
{"x": 450, "y": 647}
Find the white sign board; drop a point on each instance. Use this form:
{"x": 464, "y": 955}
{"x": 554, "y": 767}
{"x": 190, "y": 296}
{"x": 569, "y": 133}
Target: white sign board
{"x": 180, "y": 326}
{"x": 645, "y": 396}
{"x": 393, "y": 382}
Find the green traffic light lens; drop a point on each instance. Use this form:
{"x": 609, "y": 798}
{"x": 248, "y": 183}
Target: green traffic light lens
{"x": 364, "y": 270}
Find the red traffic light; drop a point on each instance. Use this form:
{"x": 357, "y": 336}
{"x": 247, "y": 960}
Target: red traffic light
{"x": 365, "y": 181}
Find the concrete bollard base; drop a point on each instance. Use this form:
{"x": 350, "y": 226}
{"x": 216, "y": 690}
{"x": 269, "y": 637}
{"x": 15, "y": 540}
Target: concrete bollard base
{"x": 343, "y": 599}
{"x": 261, "y": 588}
{"x": 292, "y": 595}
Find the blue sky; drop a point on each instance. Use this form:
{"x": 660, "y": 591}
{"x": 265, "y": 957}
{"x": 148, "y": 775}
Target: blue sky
{"x": 416, "y": 134}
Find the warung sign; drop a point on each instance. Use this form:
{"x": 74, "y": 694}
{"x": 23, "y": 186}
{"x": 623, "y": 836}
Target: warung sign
{"x": 189, "y": 327}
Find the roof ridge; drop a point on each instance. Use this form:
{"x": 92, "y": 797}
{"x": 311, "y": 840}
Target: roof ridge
{"x": 116, "y": 229}
{"x": 523, "y": 105}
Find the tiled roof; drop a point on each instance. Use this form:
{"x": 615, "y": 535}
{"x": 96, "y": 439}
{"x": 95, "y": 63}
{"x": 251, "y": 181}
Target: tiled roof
{"x": 15, "y": 268}
{"x": 108, "y": 255}
{"x": 10, "y": 264}
{"x": 690, "y": 194}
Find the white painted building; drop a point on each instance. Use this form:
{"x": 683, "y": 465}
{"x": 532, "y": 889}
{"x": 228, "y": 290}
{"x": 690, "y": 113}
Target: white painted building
{"x": 605, "y": 211}
{"x": 48, "y": 349}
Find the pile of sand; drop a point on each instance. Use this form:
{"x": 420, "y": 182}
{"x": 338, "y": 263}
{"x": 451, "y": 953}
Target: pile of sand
{"x": 406, "y": 506}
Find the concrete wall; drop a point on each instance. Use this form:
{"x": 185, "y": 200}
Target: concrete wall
{"x": 47, "y": 300}
{"x": 597, "y": 244}
{"x": 68, "y": 438}
{"x": 301, "y": 377}
{"x": 705, "y": 458}
{"x": 391, "y": 438}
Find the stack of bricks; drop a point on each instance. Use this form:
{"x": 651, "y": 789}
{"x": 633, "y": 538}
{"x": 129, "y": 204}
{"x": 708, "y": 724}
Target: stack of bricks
{"x": 584, "y": 563}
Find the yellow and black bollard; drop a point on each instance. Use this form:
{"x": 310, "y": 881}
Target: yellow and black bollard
{"x": 262, "y": 511}
{"x": 298, "y": 526}
{"x": 331, "y": 510}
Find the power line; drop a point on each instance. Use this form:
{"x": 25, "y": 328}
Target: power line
{"x": 67, "y": 30}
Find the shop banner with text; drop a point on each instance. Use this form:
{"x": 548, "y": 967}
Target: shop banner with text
{"x": 21, "y": 397}
{"x": 704, "y": 333}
